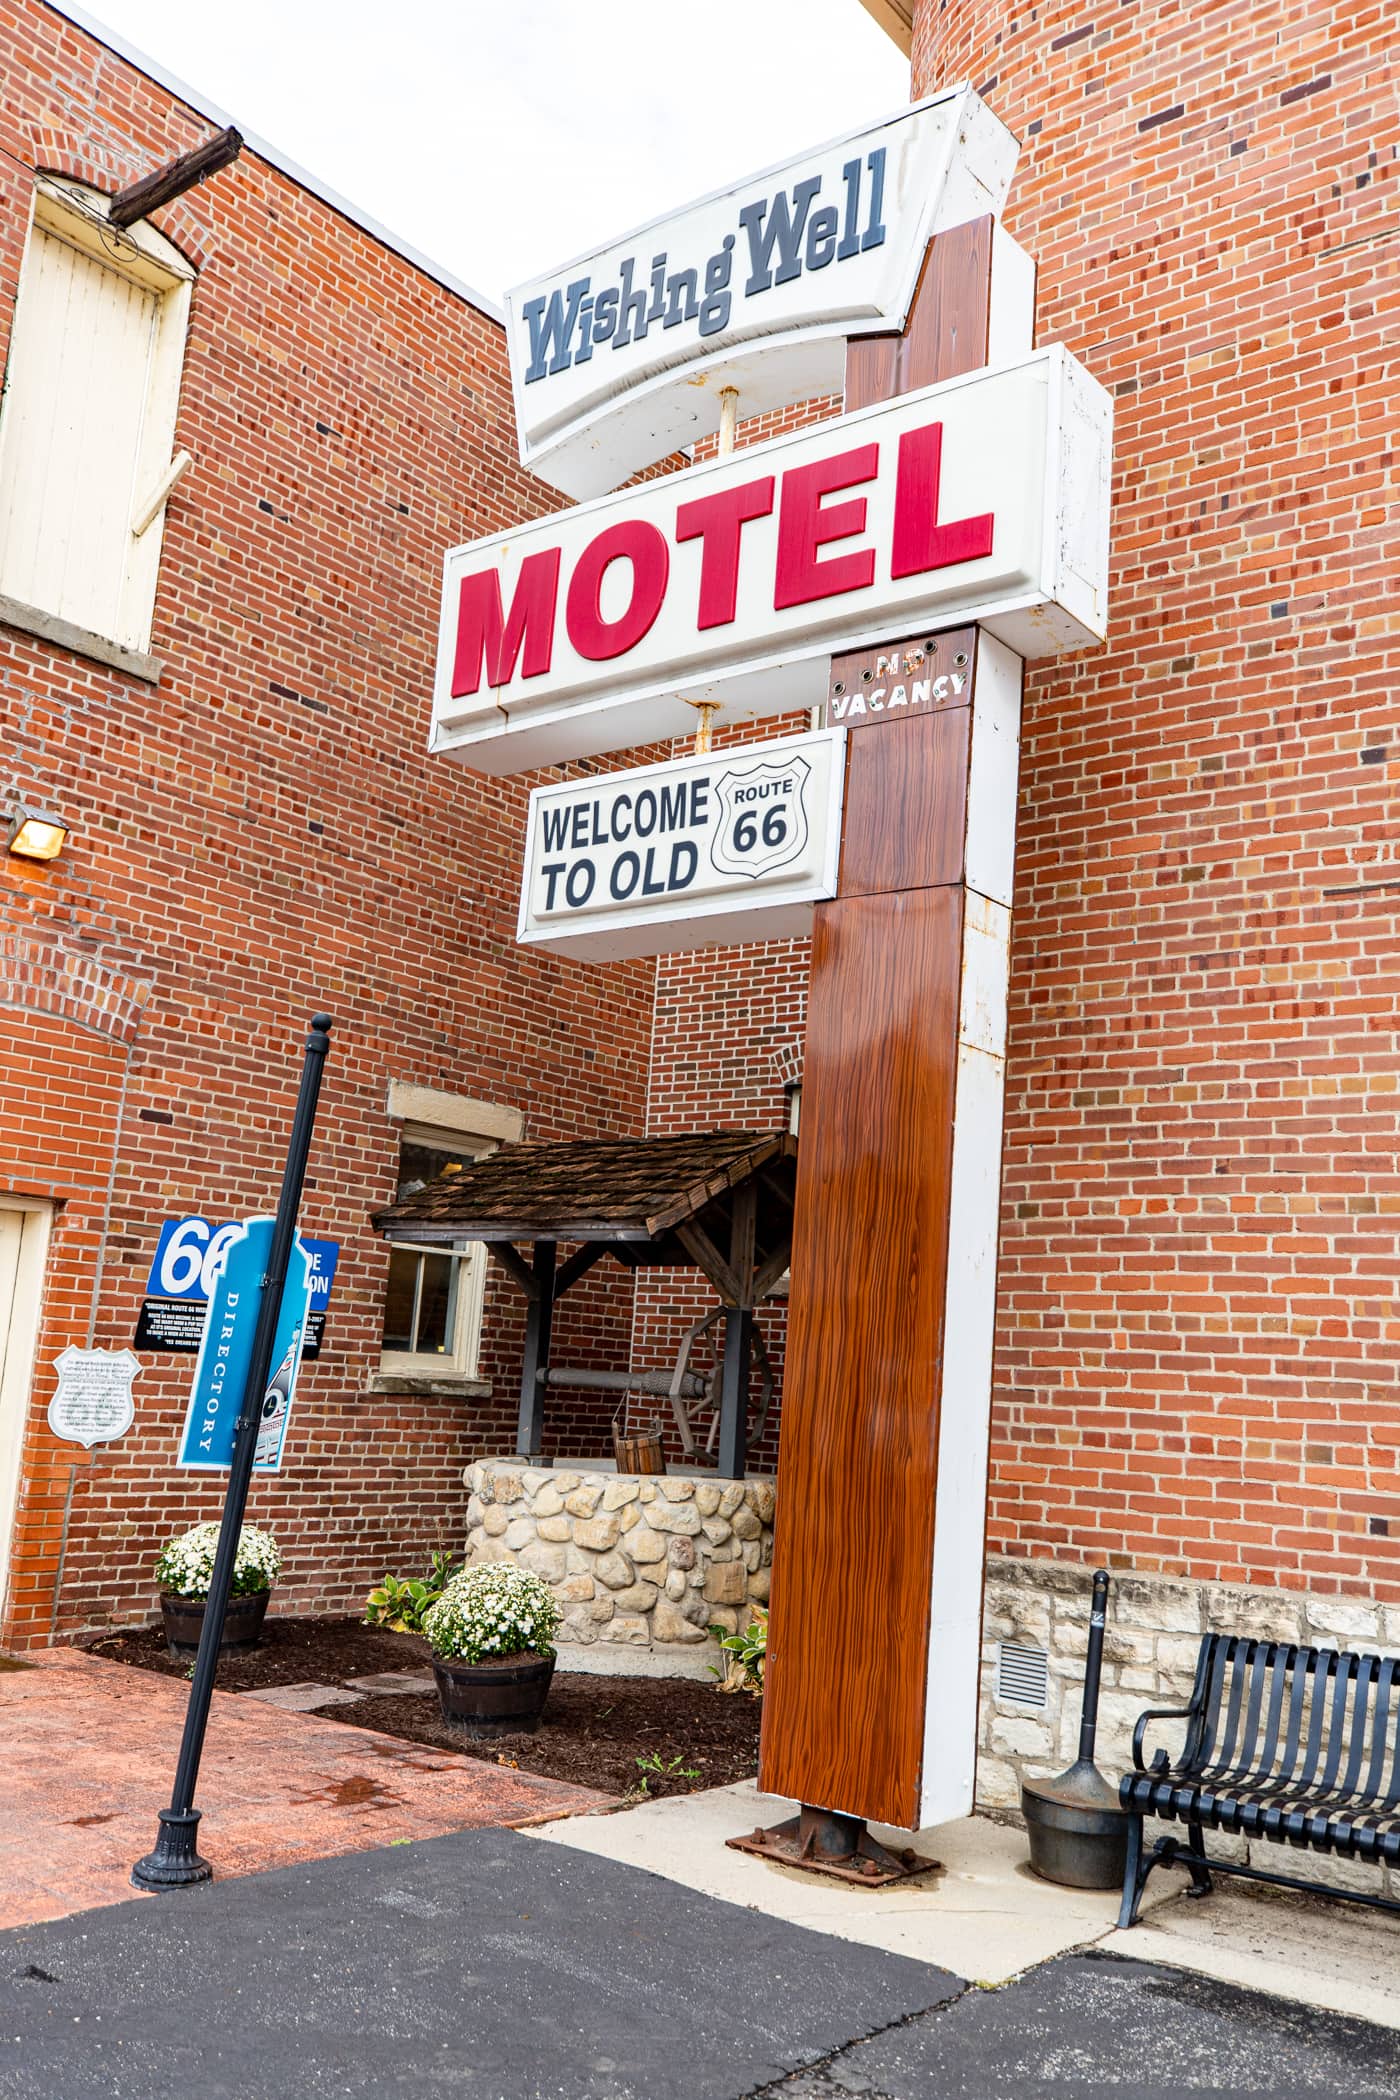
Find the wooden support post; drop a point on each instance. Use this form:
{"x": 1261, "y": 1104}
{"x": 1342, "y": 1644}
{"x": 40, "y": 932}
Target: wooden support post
{"x": 733, "y": 1452}
{"x": 141, "y": 198}
{"x": 733, "y": 1455}
{"x": 870, "y": 1700}
{"x": 539, "y": 1323}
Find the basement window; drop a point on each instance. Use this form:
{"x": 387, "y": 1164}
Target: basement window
{"x": 88, "y": 425}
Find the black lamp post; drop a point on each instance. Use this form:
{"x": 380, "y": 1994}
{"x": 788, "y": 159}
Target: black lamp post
{"x": 175, "y": 1862}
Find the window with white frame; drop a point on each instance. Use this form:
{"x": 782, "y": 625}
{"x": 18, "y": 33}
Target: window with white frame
{"x": 88, "y": 424}
{"x": 432, "y": 1305}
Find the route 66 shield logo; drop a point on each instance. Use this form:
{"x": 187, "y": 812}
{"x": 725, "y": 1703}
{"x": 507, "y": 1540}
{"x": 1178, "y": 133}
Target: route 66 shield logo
{"x": 763, "y": 817}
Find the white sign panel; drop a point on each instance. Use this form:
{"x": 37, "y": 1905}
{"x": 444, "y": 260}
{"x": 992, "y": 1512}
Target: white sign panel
{"x": 984, "y": 498}
{"x": 93, "y": 1404}
{"x": 728, "y": 846}
{"x": 618, "y": 358}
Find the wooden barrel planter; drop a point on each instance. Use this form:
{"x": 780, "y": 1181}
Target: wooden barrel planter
{"x": 502, "y": 1696}
{"x": 184, "y": 1622}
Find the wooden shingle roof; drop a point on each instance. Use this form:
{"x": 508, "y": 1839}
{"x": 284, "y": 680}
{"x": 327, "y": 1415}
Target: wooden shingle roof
{"x": 589, "y": 1188}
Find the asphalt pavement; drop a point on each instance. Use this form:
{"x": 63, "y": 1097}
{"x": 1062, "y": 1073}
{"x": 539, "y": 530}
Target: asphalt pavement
{"x": 489, "y": 1966}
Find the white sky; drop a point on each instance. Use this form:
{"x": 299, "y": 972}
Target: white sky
{"x": 502, "y": 136}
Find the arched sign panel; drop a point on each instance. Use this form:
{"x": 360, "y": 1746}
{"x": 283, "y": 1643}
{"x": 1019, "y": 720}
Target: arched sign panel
{"x": 618, "y": 358}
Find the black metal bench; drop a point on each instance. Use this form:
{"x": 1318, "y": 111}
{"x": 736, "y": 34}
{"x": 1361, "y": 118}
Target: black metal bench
{"x": 1297, "y": 1745}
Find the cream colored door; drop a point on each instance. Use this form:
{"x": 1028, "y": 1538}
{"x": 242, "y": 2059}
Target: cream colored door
{"x": 70, "y": 442}
{"x": 24, "y": 1238}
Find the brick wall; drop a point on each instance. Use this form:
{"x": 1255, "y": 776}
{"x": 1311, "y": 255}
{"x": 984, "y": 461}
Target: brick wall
{"x": 1197, "y": 1347}
{"x": 261, "y": 835}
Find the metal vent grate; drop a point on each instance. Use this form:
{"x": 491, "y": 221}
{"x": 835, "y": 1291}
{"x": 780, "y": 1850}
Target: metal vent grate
{"x": 1023, "y": 1674}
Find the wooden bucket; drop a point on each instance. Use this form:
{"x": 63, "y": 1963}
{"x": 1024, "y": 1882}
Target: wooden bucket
{"x": 641, "y": 1453}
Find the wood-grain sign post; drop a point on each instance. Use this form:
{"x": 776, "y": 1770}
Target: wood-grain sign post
{"x": 875, "y": 1627}
{"x": 893, "y": 567}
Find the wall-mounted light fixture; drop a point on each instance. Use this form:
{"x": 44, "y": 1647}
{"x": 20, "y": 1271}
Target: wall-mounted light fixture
{"x": 37, "y": 834}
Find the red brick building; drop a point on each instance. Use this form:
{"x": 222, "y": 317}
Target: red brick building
{"x": 1198, "y": 1341}
{"x": 1197, "y": 1345}
{"x": 1198, "y": 1318}
{"x": 1199, "y": 1329}
{"x": 256, "y": 831}
{"x": 1196, "y": 1364}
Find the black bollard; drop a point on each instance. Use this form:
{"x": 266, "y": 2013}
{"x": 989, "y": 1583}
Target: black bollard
{"x": 1078, "y": 1833}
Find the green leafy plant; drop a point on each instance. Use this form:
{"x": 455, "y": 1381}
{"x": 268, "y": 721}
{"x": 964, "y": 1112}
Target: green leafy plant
{"x": 747, "y": 1652}
{"x": 185, "y": 1566}
{"x": 496, "y": 1609}
{"x": 401, "y": 1603}
{"x": 398, "y": 1604}
{"x": 653, "y": 1766}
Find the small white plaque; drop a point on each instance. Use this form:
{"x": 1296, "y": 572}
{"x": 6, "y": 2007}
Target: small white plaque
{"x": 93, "y": 1404}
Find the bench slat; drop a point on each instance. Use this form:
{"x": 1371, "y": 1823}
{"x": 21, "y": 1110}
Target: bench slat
{"x": 1296, "y": 1745}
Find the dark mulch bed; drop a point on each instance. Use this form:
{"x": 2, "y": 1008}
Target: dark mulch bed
{"x": 593, "y": 1732}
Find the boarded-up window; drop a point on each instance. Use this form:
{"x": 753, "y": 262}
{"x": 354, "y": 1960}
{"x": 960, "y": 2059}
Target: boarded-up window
{"x": 89, "y": 417}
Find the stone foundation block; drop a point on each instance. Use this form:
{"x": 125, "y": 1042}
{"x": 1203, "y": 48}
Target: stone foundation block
{"x": 726, "y": 1582}
{"x": 681, "y": 1518}
{"x": 630, "y": 1629}
{"x": 598, "y": 1534}
{"x": 544, "y": 1560}
{"x": 637, "y": 1597}
{"x": 670, "y": 1623}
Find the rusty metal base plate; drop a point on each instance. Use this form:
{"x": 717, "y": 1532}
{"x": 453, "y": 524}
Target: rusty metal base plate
{"x": 867, "y": 1865}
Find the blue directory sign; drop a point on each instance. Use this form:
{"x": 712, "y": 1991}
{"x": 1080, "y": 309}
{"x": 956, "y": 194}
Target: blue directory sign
{"x": 189, "y": 1255}
{"x": 221, "y": 1374}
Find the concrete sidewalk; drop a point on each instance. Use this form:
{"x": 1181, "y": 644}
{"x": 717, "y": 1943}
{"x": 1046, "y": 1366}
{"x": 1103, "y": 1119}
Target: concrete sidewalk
{"x": 988, "y": 1917}
{"x": 89, "y": 1753}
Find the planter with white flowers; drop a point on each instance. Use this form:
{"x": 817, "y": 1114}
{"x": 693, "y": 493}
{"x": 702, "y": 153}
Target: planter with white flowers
{"x": 492, "y": 1636}
{"x": 184, "y": 1571}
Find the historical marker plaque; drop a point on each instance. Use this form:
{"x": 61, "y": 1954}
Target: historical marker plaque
{"x": 93, "y": 1404}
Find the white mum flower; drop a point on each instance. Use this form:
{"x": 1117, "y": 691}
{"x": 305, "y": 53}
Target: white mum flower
{"x": 185, "y": 1566}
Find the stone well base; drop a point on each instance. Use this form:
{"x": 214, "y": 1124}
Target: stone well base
{"x": 645, "y": 1561}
